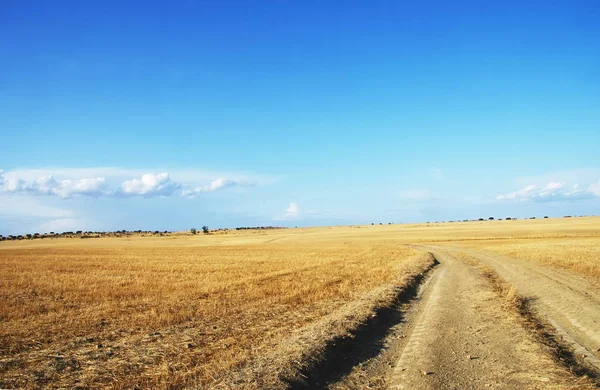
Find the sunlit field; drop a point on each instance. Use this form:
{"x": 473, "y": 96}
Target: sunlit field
{"x": 189, "y": 310}
{"x": 581, "y": 255}
{"x": 172, "y": 312}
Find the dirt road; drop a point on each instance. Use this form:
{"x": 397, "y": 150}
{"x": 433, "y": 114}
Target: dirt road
{"x": 461, "y": 335}
{"x": 464, "y": 339}
{"x": 570, "y": 303}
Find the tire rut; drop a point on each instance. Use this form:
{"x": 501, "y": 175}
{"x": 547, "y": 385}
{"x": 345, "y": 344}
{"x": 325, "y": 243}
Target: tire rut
{"x": 457, "y": 333}
{"x": 344, "y": 354}
{"x": 462, "y": 338}
{"x": 569, "y": 303}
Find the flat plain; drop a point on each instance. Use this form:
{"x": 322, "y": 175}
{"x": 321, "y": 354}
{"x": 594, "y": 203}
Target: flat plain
{"x": 268, "y": 308}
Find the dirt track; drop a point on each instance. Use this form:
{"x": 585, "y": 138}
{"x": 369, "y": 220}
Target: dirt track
{"x": 570, "y": 303}
{"x": 461, "y": 335}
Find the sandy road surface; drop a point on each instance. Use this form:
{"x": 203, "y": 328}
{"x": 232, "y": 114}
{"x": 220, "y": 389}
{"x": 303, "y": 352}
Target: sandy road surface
{"x": 570, "y": 303}
{"x": 461, "y": 338}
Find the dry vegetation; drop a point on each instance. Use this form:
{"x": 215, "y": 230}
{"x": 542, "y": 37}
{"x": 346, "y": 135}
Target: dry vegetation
{"x": 173, "y": 312}
{"x": 198, "y": 311}
{"x": 568, "y": 243}
{"x": 581, "y": 255}
{"x": 519, "y": 307}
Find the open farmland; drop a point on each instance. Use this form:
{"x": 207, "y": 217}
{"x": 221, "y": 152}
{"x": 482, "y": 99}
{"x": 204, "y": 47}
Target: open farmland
{"x": 258, "y": 309}
{"x": 169, "y": 312}
{"x": 576, "y": 254}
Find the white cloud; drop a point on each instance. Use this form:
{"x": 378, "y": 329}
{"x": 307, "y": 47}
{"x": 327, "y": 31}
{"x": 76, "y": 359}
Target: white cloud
{"x": 188, "y": 176}
{"x": 215, "y": 185}
{"x": 568, "y": 177}
{"x": 13, "y": 184}
{"x": 219, "y": 183}
{"x": 69, "y": 182}
{"x": 149, "y": 185}
{"x": 552, "y": 187}
{"x": 553, "y": 191}
{"x": 68, "y": 187}
{"x": 292, "y": 212}
{"x": 522, "y": 193}
{"x": 48, "y": 185}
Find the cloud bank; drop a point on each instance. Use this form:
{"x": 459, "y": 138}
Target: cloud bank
{"x": 26, "y": 182}
{"x": 48, "y": 185}
{"x": 215, "y": 185}
{"x": 553, "y": 191}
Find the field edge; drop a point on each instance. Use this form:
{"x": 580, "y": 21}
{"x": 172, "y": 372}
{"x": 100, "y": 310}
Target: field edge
{"x": 326, "y": 350}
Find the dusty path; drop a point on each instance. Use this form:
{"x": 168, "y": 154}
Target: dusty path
{"x": 570, "y": 303}
{"x": 462, "y": 338}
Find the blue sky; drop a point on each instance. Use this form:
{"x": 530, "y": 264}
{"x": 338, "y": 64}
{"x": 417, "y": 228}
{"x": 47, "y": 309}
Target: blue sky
{"x": 169, "y": 115}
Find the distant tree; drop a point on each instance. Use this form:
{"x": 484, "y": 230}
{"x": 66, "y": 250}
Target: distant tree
{"x": 372, "y": 223}
{"x": 481, "y": 219}
{"x": 532, "y": 218}
{"x": 28, "y": 235}
{"x": 508, "y": 218}
{"x": 491, "y": 218}
{"x": 194, "y": 231}
{"x": 205, "y": 229}
{"x": 545, "y": 216}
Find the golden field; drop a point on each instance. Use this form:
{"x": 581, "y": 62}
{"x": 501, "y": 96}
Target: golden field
{"x": 172, "y": 312}
{"x": 188, "y": 310}
{"x": 580, "y": 255}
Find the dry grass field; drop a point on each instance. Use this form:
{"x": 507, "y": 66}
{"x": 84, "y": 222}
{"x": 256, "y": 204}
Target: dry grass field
{"x": 577, "y": 254}
{"x": 173, "y": 312}
{"x": 187, "y": 310}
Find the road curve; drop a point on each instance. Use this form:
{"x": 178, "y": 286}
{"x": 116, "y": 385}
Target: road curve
{"x": 462, "y": 338}
{"x": 570, "y": 303}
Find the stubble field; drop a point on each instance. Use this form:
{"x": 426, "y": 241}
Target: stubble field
{"x": 172, "y": 312}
